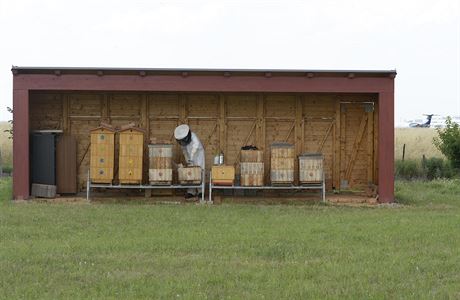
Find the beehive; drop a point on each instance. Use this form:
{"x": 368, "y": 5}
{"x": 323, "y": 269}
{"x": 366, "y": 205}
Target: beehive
{"x": 282, "y": 163}
{"x": 252, "y": 173}
{"x": 160, "y": 163}
{"x": 102, "y": 154}
{"x": 311, "y": 168}
{"x": 223, "y": 175}
{"x": 131, "y": 155}
{"x": 189, "y": 175}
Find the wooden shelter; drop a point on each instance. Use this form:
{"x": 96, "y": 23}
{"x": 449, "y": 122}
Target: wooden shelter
{"x": 345, "y": 115}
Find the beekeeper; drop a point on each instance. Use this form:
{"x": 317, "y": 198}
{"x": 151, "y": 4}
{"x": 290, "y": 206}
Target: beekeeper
{"x": 193, "y": 151}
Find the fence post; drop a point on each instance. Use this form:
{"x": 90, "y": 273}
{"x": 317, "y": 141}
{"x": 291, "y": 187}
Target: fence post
{"x": 404, "y": 151}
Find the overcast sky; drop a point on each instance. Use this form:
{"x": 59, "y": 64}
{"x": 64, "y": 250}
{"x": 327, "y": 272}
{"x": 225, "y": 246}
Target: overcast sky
{"x": 421, "y": 39}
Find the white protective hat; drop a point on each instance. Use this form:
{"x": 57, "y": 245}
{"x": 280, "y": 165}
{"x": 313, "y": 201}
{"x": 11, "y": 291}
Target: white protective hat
{"x": 181, "y": 131}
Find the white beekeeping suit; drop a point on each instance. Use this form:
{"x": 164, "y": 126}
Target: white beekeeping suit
{"x": 191, "y": 147}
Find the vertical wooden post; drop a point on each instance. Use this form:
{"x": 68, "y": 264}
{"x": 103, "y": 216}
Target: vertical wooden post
{"x": 298, "y": 135}
{"x": 260, "y": 133}
{"x": 145, "y": 114}
{"x": 260, "y": 130}
{"x": 145, "y": 123}
{"x": 337, "y": 134}
{"x": 182, "y": 120}
{"x": 222, "y": 125}
{"x": 21, "y": 144}
{"x": 376, "y": 142}
{"x": 386, "y": 146}
{"x": 65, "y": 114}
{"x": 183, "y": 109}
{"x": 343, "y": 140}
{"x": 370, "y": 146}
{"x": 105, "y": 114}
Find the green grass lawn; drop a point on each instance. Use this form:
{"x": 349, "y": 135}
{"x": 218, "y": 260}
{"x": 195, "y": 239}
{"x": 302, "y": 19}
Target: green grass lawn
{"x": 81, "y": 250}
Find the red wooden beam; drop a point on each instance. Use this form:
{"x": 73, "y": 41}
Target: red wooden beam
{"x": 203, "y": 83}
{"x": 386, "y": 147}
{"x": 21, "y": 144}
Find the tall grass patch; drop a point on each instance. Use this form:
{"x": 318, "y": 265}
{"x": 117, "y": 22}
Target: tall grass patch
{"x": 424, "y": 169}
{"x": 419, "y": 142}
{"x": 6, "y": 147}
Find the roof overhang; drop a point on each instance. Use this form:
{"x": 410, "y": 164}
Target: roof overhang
{"x": 201, "y": 71}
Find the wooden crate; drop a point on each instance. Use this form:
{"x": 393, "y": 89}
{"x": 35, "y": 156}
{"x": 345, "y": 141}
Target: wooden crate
{"x": 311, "y": 168}
{"x": 102, "y": 154}
{"x": 131, "y": 155}
{"x": 223, "y": 175}
{"x": 282, "y": 163}
{"x": 189, "y": 175}
{"x": 160, "y": 163}
{"x": 252, "y": 174}
{"x": 252, "y": 156}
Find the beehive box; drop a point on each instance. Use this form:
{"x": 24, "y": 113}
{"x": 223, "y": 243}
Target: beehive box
{"x": 131, "y": 155}
{"x": 189, "y": 175}
{"x": 282, "y": 163}
{"x": 252, "y": 156}
{"x": 223, "y": 175}
{"x": 252, "y": 174}
{"x": 102, "y": 154}
{"x": 311, "y": 168}
{"x": 160, "y": 164}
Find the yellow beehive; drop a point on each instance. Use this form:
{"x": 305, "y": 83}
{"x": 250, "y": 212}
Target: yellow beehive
{"x": 223, "y": 175}
{"x": 282, "y": 163}
{"x": 102, "y": 154}
{"x": 131, "y": 155}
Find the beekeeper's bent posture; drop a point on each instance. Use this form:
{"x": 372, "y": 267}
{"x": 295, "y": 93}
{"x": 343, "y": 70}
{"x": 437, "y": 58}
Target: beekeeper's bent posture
{"x": 193, "y": 151}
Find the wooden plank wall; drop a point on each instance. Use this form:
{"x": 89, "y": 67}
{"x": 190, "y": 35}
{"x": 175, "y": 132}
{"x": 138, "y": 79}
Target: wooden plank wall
{"x": 344, "y": 132}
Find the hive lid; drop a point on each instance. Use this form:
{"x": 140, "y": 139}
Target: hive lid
{"x": 104, "y": 126}
{"x": 310, "y": 154}
{"x": 160, "y": 145}
{"x": 281, "y": 145}
{"x": 131, "y": 127}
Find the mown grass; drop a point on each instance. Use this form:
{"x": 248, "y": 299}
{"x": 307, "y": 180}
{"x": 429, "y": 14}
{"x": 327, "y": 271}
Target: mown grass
{"x": 83, "y": 250}
{"x": 441, "y": 192}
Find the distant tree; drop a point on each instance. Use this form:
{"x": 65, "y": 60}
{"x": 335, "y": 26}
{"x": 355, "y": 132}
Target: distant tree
{"x": 10, "y": 130}
{"x": 448, "y": 142}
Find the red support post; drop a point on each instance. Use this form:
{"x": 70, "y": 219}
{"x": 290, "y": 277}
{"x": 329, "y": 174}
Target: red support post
{"x": 21, "y": 144}
{"x": 386, "y": 147}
